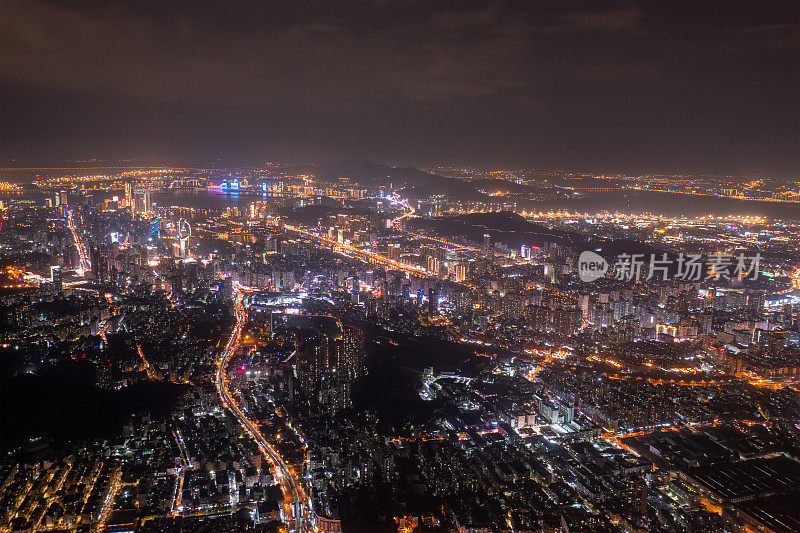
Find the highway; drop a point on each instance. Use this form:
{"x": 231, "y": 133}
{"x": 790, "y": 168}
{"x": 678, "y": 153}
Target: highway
{"x": 445, "y": 242}
{"x": 366, "y": 256}
{"x": 85, "y": 264}
{"x": 293, "y": 492}
{"x": 357, "y": 253}
{"x": 146, "y": 364}
{"x": 405, "y": 204}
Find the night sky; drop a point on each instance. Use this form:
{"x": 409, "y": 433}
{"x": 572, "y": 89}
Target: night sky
{"x": 651, "y": 87}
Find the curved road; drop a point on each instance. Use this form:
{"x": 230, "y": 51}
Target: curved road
{"x": 290, "y": 486}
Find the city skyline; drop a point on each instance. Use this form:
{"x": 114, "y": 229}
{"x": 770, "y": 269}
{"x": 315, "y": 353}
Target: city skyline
{"x": 269, "y": 349}
{"x": 399, "y": 267}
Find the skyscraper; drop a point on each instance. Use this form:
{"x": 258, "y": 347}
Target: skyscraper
{"x": 155, "y": 229}
{"x": 226, "y": 289}
{"x": 141, "y": 201}
{"x": 99, "y": 264}
{"x": 353, "y": 351}
{"x": 60, "y": 199}
{"x": 128, "y": 194}
{"x": 55, "y": 277}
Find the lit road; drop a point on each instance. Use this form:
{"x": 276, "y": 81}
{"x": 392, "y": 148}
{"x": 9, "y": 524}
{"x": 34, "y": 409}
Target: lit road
{"x": 410, "y": 211}
{"x": 293, "y": 492}
{"x": 85, "y": 264}
{"x": 715, "y": 195}
{"x": 404, "y": 203}
{"x": 445, "y": 242}
{"x": 371, "y": 257}
{"x": 357, "y": 253}
{"x": 186, "y": 464}
{"x": 146, "y": 364}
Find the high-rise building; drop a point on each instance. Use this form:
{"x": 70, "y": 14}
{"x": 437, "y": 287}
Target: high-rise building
{"x": 755, "y": 302}
{"x": 181, "y": 244}
{"x": 487, "y": 244}
{"x": 394, "y": 252}
{"x": 565, "y": 321}
{"x": 60, "y": 199}
{"x": 706, "y": 322}
{"x": 636, "y": 497}
{"x": 154, "y": 234}
{"x": 226, "y": 289}
{"x": 141, "y": 201}
{"x": 99, "y": 261}
{"x": 55, "y": 277}
{"x": 433, "y": 303}
{"x": 460, "y": 272}
{"x": 434, "y": 265}
{"x": 183, "y": 247}
{"x": 312, "y": 360}
{"x": 283, "y": 280}
{"x": 540, "y": 317}
{"x": 329, "y": 358}
{"x": 128, "y": 195}
{"x": 513, "y": 306}
{"x": 353, "y": 351}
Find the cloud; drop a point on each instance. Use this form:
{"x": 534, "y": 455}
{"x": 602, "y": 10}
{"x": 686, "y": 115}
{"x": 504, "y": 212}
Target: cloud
{"x": 762, "y": 37}
{"x": 427, "y": 79}
{"x": 453, "y": 18}
{"x": 611, "y": 20}
{"x": 314, "y": 62}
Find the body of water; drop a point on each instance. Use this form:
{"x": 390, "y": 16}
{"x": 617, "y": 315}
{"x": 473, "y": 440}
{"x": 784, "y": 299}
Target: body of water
{"x": 202, "y": 199}
{"x": 635, "y": 202}
{"x": 668, "y": 204}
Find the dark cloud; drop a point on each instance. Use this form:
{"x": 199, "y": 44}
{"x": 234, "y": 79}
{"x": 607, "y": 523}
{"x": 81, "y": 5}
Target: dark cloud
{"x": 610, "y": 20}
{"x": 764, "y": 37}
{"x": 584, "y": 85}
{"x": 114, "y": 51}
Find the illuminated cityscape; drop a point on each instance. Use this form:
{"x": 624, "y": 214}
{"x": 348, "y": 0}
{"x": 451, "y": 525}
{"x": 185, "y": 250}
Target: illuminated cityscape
{"x": 312, "y": 342}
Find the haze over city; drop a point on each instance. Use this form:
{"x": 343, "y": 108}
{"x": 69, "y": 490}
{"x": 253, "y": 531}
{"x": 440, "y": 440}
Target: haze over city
{"x": 600, "y": 87}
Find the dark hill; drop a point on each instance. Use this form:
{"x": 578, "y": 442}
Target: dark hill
{"x": 416, "y": 184}
{"x": 64, "y": 404}
{"x": 490, "y": 185}
{"x": 504, "y": 226}
{"x": 369, "y": 173}
{"x": 514, "y": 230}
